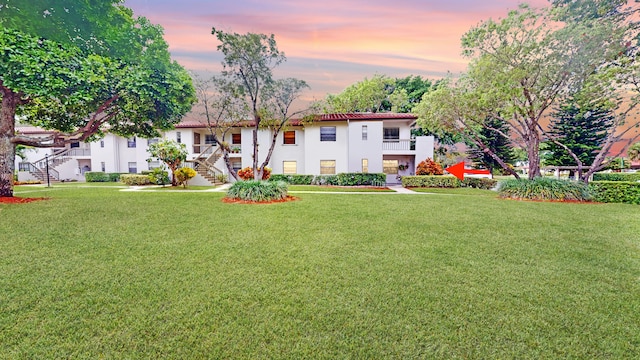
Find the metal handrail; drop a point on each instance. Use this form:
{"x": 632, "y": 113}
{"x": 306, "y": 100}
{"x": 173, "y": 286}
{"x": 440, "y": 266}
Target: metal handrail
{"x": 404, "y": 144}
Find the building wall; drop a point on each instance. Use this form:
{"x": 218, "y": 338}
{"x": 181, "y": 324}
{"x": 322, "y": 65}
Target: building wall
{"x": 370, "y": 149}
{"x": 316, "y": 150}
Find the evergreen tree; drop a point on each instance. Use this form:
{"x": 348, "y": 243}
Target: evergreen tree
{"x": 581, "y": 129}
{"x": 492, "y": 136}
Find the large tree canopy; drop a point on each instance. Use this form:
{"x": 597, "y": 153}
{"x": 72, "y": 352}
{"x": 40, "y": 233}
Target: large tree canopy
{"x": 528, "y": 62}
{"x": 81, "y": 85}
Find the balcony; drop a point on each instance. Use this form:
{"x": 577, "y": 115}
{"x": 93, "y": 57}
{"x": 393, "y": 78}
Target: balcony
{"x": 399, "y": 146}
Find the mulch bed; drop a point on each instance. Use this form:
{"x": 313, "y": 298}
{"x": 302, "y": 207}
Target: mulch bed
{"x": 20, "y": 200}
{"x": 238, "y": 201}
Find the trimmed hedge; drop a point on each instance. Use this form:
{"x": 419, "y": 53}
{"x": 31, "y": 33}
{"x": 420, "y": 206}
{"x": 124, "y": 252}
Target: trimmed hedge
{"x": 293, "y": 179}
{"x": 436, "y": 181}
{"x": 255, "y": 190}
{"x": 631, "y": 177}
{"x": 98, "y": 176}
{"x": 479, "y": 183}
{"x": 615, "y": 191}
{"x": 135, "y": 179}
{"x": 342, "y": 179}
{"x": 545, "y": 189}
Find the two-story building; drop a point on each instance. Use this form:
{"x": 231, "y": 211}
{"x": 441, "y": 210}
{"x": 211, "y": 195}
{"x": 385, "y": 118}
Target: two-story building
{"x": 328, "y": 144}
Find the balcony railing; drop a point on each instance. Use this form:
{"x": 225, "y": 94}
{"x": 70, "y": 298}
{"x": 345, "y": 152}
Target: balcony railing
{"x": 399, "y": 145}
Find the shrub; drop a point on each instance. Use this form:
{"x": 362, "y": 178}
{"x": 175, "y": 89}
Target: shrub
{"x": 355, "y": 179}
{"x": 431, "y": 181}
{"x": 293, "y": 179}
{"x": 183, "y": 175}
{"x": 544, "y": 189}
{"x": 615, "y": 191}
{"x": 325, "y": 180}
{"x": 222, "y": 178}
{"x": 114, "y": 177}
{"x": 429, "y": 167}
{"x": 247, "y": 173}
{"x": 96, "y": 176}
{"x": 135, "y": 179}
{"x": 479, "y": 183}
{"x": 159, "y": 177}
{"x": 27, "y": 182}
{"x": 256, "y": 190}
{"x": 616, "y": 176}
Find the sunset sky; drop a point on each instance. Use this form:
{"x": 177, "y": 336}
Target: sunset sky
{"x": 332, "y": 43}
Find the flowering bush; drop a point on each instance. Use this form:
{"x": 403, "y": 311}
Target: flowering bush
{"x": 183, "y": 175}
{"x": 429, "y": 167}
{"x": 247, "y": 173}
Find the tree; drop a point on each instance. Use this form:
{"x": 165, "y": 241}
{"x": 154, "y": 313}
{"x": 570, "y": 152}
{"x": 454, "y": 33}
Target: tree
{"x": 415, "y": 88}
{"x": 171, "y": 153}
{"x": 525, "y": 64}
{"x": 491, "y": 134}
{"x": 249, "y": 60}
{"x": 369, "y": 95}
{"x": 82, "y": 86}
{"x": 576, "y": 132}
{"x": 634, "y": 152}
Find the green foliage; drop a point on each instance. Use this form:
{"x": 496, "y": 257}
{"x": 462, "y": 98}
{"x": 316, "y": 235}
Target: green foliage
{"x": 135, "y": 179}
{"x": 479, "y": 183}
{"x": 633, "y": 152}
{"x": 96, "y": 176}
{"x": 436, "y": 181}
{"x": 183, "y": 175}
{"x": 171, "y": 153}
{"x": 429, "y": 167}
{"x": 616, "y": 176}
{"x": 293, "y": 179}
{"x": 582, "y": 129}
{"x": 114, "y": 177}
{"x": 258, "y": 191}
{"x": 222, "y": 178}
{"x": 355, "y": 179}
{"x": 494, "y": 134}
{"x": 615, "y": 191}
{"x": 325, "y": 180}
{"x": 368, "y": 95}
{"x": 544, "y": 189}
{"x": 159, "y": 177}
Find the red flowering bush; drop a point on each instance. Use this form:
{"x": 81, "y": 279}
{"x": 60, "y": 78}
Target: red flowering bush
{"x": 429, "y": 167}
{"x": 247, "y": 173}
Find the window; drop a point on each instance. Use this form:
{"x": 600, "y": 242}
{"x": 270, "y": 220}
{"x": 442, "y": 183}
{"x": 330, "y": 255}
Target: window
{"x": 365, "y": 132}
{"x": 23, "y": 166}
{"x": 131, "y": 142}
{"x": 327, "y": 133}
{"x": 103, "y": 166}
{"x": 208, "y": 139}
{"x": 154, "y": 164}
{"x": 236, "y": 138}
{"x": 327, "y": 167}
{"x": 365, "y": 165}
{"x": 152, "y": 141}
{"x": 179, "y": 137}
{"x": 133, "y": 168}
{"x": 75, "y": 145}
{"x": 289, "y": 167}
{"x": 289, "y": 137}
{"x": 391, "y": 134}
{"x": 390, "y": 166}
{"x": 101, "y": 143}
{"x": 236, "y": 165}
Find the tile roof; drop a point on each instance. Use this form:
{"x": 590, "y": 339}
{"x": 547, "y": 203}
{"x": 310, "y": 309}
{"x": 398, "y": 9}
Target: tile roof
{"x": 193, "y": 123}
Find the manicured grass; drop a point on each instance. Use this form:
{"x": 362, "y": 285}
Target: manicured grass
{"x": 100, "y": 273}
{"x": 323, "y": 188}
{"x": 457, "y": 191}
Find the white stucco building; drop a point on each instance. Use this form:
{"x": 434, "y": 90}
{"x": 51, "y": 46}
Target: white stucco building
{"x": 330, "y": 144}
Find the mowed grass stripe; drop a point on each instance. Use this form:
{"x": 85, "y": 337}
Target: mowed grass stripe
{"x": 98, "y": 272}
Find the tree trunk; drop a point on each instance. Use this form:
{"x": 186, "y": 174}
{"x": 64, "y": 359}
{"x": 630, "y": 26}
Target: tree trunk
{"x": 533, "y": 154}
{"x": 10, "y": 101}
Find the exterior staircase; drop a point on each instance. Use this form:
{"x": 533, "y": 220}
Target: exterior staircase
{"x": 204, "y": 164}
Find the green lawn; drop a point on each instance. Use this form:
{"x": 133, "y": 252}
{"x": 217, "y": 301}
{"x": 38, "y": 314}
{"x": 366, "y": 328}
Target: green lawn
{"x": 101, "y": 273}
{"x": 324, "y": 188}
